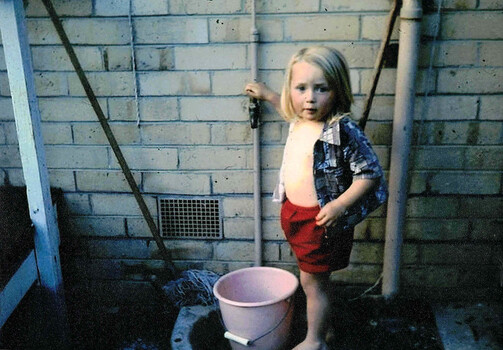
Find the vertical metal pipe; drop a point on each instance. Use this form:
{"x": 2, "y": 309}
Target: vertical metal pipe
{"x": 410, "y": 27}
{"x": 257, "y": 187}
{"x": 257, "y": 197}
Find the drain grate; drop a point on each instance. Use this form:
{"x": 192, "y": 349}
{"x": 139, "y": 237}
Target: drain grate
{"x": 190, "y": 218}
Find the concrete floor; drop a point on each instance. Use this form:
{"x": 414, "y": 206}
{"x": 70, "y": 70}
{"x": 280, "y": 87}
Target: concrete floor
{"x": 371, "y": 324}
{"x": 365, "y": 323}
{"x": 470, "y": 325}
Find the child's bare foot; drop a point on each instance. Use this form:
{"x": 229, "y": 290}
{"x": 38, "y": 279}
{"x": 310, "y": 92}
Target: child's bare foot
{"x": 306, "y": 345}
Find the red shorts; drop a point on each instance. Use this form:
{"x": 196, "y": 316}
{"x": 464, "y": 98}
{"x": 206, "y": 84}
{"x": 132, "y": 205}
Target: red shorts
{"x": 317, "y": 250}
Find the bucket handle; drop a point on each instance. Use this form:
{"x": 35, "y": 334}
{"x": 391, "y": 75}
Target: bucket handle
{"x": 248, "y": 342}
{"x": 237, "y": 338}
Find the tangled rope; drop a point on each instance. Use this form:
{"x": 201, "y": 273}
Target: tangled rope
{"x": 193, "y": 287}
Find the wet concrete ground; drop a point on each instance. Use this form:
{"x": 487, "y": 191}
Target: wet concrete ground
{"x": 470, "y": 325}
{"x": 92, "y": 326}
{"x": 372, "y": 323}
{"x": 361, "y": 324}
{"x": 366, "y": 323}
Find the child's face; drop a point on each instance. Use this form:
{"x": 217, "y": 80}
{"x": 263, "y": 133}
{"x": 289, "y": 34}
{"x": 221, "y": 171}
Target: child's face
{"x": 312, "y": 98}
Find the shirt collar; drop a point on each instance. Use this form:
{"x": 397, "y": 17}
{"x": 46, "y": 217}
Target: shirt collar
{"x": 331, "y": 131}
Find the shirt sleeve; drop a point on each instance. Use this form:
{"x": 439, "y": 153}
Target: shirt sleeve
{"x": 362, "y": 160}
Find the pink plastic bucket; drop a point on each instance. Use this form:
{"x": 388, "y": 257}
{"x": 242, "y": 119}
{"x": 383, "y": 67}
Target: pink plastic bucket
{"x": 257, "y": 306}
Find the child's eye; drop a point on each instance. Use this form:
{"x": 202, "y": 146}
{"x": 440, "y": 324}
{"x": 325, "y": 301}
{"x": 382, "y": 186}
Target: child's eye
{"x": 301, "y": 88}
{"x": 321, "y": 88}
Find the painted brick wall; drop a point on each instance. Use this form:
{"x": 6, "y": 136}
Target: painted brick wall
{"x": 194, "y": 138}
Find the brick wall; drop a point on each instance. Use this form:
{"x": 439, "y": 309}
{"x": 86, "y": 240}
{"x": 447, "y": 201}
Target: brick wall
{"x": 194, "y": 136}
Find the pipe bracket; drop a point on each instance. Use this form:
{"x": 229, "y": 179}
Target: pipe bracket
{"x": 254, "y": 36}
{"x": 411, "y": 12}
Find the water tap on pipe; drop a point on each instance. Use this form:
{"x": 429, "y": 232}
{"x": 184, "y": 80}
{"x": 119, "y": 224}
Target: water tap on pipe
{"x": 254, "y": 112}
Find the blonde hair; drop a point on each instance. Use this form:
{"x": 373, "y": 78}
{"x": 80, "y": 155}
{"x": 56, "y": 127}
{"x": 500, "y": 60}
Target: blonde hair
{"x": 336, "y": 72}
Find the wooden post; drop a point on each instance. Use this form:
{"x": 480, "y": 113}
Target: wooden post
{"x": 31, "y": 148}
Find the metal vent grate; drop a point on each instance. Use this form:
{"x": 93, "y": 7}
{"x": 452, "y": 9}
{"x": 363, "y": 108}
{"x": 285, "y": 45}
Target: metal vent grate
{"x": 190, "y": 218}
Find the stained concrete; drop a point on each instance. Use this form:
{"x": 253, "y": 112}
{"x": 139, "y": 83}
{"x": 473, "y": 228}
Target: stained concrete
{"x": 360, "y": 324}
{"x": 370, "y": 323}
{"x": 470, "y": 325}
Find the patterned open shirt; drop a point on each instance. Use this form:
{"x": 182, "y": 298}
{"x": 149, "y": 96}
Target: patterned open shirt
{"x": 340, "y": 155}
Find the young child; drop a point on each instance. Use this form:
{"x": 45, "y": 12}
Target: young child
{"x": 330, "y": 178}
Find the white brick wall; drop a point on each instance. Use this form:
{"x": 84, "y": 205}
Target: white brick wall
{"x": 9, "y": 156}
{"x": 56, "y": 133}
{"x": 193, "y": 7}
{"x": 104, "y": 84}
{"x": 232, "y": 181}
{"x": 63, "y": 8}
{"x": 237, "y": 29}
{"x": 490, "y": 53}
{"x": 174, "y": 83}
{"x": 467, "y": 80}
{"x": 176, "y": 183}
{"x": 6, "y": 111}
{"x": 231, "y": 133}
{"x": 76, "y": 157}
{"x": 118, "y": 58}
{"x": 193, "y": 60}
{"x": 446, "y": 107}
{"x": 92, "y": 133}
{"x": 175, "y": 133}
{"x": 51, "y": 84}
{"x": 322, "y": 28}
{"x": 103, "y": 181}
{"x": 55, "y": 58}
{"x": 155, "y": 58}
{"x": 491, "y": 4}
{"x": 473, "y": 25}
{"x": 491, "y": 107}
{"x": 215, "y": 57}
{"x": 170, "y": 30}
{"x": 149, "y": 158}
{"x": 212, "y": 109}
{"x": 282, "y": 6}
{"x": 68, "y": 109}
{"x": 139, "y": 7}
{"x": 372, "y": 27}
{"x": 118, "y": 204}
{"x": 213, "y": 158}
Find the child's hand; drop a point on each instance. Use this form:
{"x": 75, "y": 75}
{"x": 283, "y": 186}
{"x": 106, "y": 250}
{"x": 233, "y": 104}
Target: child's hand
{"x": 260, "y": 91}
{"x": 329, "y": 213}
{"x": 332, "y": 210}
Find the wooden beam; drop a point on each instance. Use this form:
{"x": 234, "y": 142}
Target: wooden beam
{"x": 31, "y": 148}
{"x": 18, "y": 285}
{"x": 58, "y": 25}
{"x": 393, "y": 13}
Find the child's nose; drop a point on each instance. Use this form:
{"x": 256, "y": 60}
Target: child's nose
{"x": 310, "y": 95}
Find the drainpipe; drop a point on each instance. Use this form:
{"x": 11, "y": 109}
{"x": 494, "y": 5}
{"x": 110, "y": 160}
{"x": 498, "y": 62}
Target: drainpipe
{"x": 254, "y": 115}
{"x": 410, "y": 28}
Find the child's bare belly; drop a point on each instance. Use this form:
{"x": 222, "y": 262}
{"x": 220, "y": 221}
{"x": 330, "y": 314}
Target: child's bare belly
{"x": 298, "y": 166}
{"x": 300, "y": 190}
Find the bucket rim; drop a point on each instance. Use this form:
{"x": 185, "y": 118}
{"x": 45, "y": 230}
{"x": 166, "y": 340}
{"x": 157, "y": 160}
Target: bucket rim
{"x": 258, "y": 303}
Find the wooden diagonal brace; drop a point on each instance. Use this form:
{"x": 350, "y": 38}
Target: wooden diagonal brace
{"x": 109, "y": 134}
{"x": 379, "y": 62}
